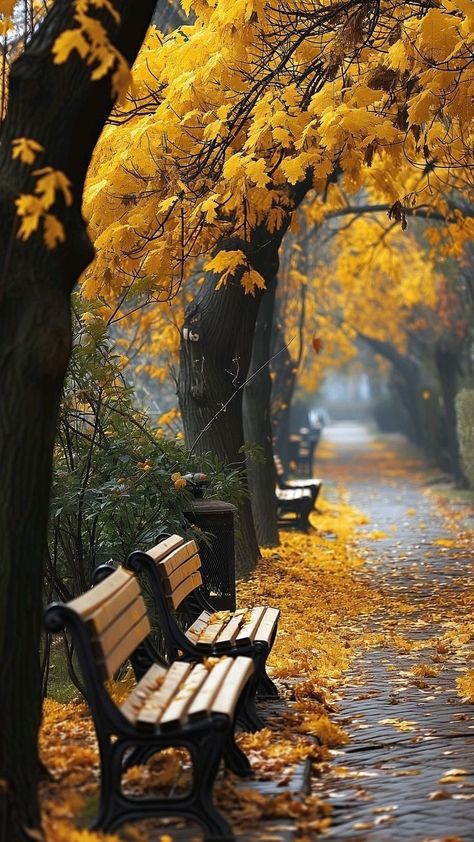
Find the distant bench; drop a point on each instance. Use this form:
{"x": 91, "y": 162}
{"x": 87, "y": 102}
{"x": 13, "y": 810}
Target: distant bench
{"x": 297, "y": 497}
{"x": 173, "y": 569}
{"x": 185, "y": 704}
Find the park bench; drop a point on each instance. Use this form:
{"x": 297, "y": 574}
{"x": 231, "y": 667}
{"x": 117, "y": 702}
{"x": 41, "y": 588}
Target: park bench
{"x": 190, "y": 705}
{"x": 301, "y": 448}
{"x": 297, "y": 502}
{"x": 314, "y": 484}
{"x": 173, "y": 570}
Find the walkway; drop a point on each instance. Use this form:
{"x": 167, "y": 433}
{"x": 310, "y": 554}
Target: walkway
{"x": 407, "y": 773}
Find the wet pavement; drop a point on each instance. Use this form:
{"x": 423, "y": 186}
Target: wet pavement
{"x": 407, "y": 774}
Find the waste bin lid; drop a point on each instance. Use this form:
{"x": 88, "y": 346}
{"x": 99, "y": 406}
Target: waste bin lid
{"x": 212, "y": 506}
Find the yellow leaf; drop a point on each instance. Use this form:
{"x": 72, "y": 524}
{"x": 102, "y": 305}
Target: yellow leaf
{"x": 255, "y": 170}
{"x": 25, "y": 149}
{"x": 71, "y": 39}
{"x": 209, "y": 208}
{"x": 6, "y": 7}
{"x": 53, "y": 231}
{"x": 251, "y": 279}
{"x": 226, "y": 263}
{"x": 295, "y": 168}
{"x": 50, "y": 182}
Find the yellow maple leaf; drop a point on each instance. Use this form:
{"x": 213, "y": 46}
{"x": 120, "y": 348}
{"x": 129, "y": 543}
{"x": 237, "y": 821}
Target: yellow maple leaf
{"x": 295, "y": 168}
{"x": 69, "y": 40}
{"x": 256, "y": 171}
{"x": 226, "y": 263}
{"x": 30, "y": 209}
{"x": 251, "y": 280}
{"x": 51, "y": 181}
{"x": 53, "y": 231}
{"x": 25, "y": 149}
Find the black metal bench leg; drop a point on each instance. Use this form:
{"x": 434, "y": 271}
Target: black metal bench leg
{"x": 110, "y": 786}
{"x": 247, "y": 715}
{"x": 206, "y": 756}
{"x": 235, "y": 760}
{"x": 266, "y": 688}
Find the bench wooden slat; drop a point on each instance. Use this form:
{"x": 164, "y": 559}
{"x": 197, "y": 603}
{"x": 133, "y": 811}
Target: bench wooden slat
{"x": 88, "y": 602}
{"x": 150, "y": 714}
{"x": 176, "y": 711}
{"x": 122, "y": 601}
{"x": 230, "y": 630}
{"x": 142, "y": 692}
{"x": 198, "y": 626}
{"x": 177, "y": 557}
{"x": 124, "y": 648}
{"x": 185, "y": 588}
{"x": 107, "y": 640}
{"x": 227, "y": 697}
{"x": 192, "y": 565}
{"x": 267, "y": 624}
{"x": 203, "y": 702}
{"x": 210, "y": 634}
{"x": 160, "y": 550}
{"x": 248, "y": 631}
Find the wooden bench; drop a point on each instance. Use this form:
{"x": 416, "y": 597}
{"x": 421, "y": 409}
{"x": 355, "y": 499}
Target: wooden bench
{"x": 173, "y": 568}
{"x": 191, "y": 705}
{"x": 313, "y": 485}
{"x": 297, "y": 502}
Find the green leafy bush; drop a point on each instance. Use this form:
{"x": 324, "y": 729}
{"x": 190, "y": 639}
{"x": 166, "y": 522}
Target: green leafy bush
{"x": 465, "y": 423}
{"x": 117, "y": 485}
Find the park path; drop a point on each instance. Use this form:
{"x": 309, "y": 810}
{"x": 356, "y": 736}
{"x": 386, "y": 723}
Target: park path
{"x": 407, "y": 773}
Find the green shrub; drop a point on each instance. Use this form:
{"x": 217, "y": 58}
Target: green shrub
{"x": 465, "y": 422}
{"x": 113, "y": 489}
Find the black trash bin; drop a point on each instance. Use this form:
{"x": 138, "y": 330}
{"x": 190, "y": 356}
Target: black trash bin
{"x": 217, "y": 551}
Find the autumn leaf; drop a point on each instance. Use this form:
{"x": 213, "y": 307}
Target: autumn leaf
{"x": 49, "y": 182}
{"x": 6, "y": 7}
{"x": 69, "y": 40}
{"x": 25, "y": 149}
{"x": 317, "y": 344}
{"x": 53, "y": 231}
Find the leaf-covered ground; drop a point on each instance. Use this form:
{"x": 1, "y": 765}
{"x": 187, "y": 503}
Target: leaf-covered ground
{"x": 373, "y": 629}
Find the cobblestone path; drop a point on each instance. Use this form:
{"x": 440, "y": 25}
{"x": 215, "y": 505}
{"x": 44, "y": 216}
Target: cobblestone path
{"x": 407, "y": 773}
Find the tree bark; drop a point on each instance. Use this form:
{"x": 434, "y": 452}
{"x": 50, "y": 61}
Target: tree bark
{"x": 284, "y": 370}
{"x": 214, "y": 364}
{"x": 258, "y": 425}
{"x": 447, "y": 366}
{"x": 407, "y": 383}
{"x": 60, "y": 108}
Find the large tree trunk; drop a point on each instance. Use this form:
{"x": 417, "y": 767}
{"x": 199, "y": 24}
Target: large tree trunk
{"x": 214, "y": 364}
{"x": 258, "y": 425}
{"x": 407, "y": 383}
{"x": 447, "y": 366}
{"x": 59, "y": 107}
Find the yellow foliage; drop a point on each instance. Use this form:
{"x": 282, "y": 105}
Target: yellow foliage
{"x": 465, "y": 685}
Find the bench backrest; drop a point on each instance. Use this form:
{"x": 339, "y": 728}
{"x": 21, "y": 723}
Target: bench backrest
{"x": 179, "y": 566}
{"x": 278, "y": 465}
{"x": 116, "y": 618}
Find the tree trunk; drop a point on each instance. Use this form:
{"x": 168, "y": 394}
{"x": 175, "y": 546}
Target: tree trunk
{"x": 447, "y": 366}
{"x": 60, "y": 108}
{"x": 258, "y": 425}
{"x": 407, "y": 383}
{"x": 214, "y": 363}
{"x": 283, "y": 387}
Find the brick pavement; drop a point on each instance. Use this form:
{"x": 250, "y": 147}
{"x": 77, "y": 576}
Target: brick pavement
{"x": 387, "y": 785}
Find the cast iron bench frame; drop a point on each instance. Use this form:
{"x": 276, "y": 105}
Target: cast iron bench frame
{"x": 314, "y": 484}
{"x": 185, "y": 705}
{"x": 173, "y": 570}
